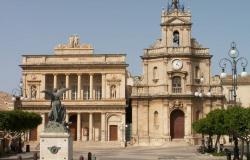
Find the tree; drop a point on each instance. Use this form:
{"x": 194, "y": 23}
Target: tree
{"x": 16, "y": 123}
{"x": 237, "y": 123}
{"x": 205, "y": 127}
{"x": 217, "y": 120}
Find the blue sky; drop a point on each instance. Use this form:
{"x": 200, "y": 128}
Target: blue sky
{"x": 112, "y": 26}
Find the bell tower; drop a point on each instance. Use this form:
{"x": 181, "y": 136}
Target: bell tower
{"x": 175, "y": 69}
{"x": 176, "y": 26}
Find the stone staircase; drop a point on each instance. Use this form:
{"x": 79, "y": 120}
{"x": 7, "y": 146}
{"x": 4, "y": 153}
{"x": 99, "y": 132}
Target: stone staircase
{"x": 176, "y": 143}
{"x": 89, "y": 144}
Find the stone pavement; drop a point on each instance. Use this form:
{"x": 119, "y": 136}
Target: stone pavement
{"x": 146, "y": 153}
{"x": 137, "y": 153}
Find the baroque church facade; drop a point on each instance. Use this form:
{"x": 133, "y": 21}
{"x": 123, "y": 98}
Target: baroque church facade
{"x": 176, "y": 87}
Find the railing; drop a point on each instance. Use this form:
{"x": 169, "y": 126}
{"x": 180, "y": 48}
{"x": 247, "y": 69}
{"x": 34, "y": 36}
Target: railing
{"x": 174, "y": 50}
{"x": 176, "y": 90}
{"x": 231, "y": 102}
{"x": 51, "y": 59}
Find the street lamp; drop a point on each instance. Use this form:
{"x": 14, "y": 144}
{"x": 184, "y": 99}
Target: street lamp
{"x": 200, "y": 92}
{"x": 233, "y": 61}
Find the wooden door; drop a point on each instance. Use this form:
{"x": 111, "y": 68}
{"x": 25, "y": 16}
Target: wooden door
{"x": 33, "y": 134}
{"x": 177, "y": 124}
{"x": 113, "y": 136}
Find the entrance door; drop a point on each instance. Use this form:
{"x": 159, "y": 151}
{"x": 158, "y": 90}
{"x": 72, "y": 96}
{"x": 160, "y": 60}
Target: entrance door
{"x": 33, "y": 134}
{"x": 113, "y": 133}
{"x": 177, "y": 124}
{"x": 72, "y": 127}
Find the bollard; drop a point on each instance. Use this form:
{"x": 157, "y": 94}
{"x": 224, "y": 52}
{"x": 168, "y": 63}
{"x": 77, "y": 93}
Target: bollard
{"x": 27, "y": 148}
{"x": 89, "y": 156}
{"x": 93, "y": 157}
{"x": 81, "y": 158}
{"x": 19, "y": 158}
{"x": 35, "y": 157}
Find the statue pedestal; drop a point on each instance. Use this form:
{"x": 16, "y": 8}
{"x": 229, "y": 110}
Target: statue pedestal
{"x": 56, "y": 146}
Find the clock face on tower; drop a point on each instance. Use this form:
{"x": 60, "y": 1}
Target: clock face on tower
{"x": 177, "y": 64}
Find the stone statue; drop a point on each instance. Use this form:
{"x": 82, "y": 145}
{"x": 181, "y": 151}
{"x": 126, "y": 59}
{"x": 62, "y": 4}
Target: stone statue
{"x": 76, "y": 41}
{"x": 58, "y": 112}
{"x": 71, "y": 41}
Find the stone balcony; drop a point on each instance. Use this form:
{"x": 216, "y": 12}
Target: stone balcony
{"x": 166, "y": 90}
{"x": 177, "y": 50}
{"x": 73, "y": 103}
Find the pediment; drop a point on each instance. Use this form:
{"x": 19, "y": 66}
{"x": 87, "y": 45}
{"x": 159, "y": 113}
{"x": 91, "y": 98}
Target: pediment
{"x": 176, "y": 20}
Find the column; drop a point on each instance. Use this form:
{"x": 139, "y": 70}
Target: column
{"x": 103, "y": 124}
{"x": 55, "y": 81}
{"x": 67, "y": 86}
{"x": 43, "y": 83}
{"x": 43, "y": 121}
{"x": 135, "y": 118}
{"x": 78, "y": 126}
{"x": 188, "y": 121}
{"x": 90, "y": 126}
{"x": 79, "y": 79}
{"x": 166, "y": 122}
{"x": 145, "y": 106}
{"x": 103, "y": 86}
{"x": 67, "y": 117}
{"x": 123, "y": 130}
{"x": 91, "y": 86}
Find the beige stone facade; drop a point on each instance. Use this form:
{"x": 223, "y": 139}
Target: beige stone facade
{"x": 95, "y": 103}
{"x": 175, "y": 69}
{"x": 243, "y": 88}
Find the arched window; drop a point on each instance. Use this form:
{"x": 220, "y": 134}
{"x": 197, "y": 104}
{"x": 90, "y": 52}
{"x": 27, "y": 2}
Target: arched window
{"x": 155, "y": 74}
{"x": 176, "y": 39}
{"x": 198, "y": 115}
{"x": 197, "y": 72}
{"x": 156, "y": 120}
{"x": 112, "y": 91}
{"x": 176, "y": 85}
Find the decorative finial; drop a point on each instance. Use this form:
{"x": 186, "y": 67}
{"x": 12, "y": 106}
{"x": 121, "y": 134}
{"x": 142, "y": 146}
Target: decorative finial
{"x": 175, "y": 4}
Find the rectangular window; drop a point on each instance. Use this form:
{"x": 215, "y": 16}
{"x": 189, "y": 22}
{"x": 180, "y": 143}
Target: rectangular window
{"x": 98, "y": 93}
{"x": 86, "y": 92}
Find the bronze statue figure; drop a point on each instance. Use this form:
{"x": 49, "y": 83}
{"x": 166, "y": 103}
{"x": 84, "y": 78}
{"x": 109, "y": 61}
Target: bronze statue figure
{"x": 58, "y": 112}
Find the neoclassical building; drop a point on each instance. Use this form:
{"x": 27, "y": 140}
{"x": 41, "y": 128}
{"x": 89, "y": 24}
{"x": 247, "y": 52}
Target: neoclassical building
{"x": 243, "y": 87}
{"x": 176, "y": 87}
{"x": 95, "y": 103}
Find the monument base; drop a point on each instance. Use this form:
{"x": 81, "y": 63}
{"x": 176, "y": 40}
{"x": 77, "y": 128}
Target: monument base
{"x": 56, "y": 146}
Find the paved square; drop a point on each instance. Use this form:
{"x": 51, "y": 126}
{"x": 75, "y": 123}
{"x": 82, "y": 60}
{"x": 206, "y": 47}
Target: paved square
{"x": 136, "y": 153}
{"x": 145, "y": 153}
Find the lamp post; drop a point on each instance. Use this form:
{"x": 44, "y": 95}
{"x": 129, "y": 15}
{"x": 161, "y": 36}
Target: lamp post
{"x": 201, "y": 94}
{"x": 233, "y": 61}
